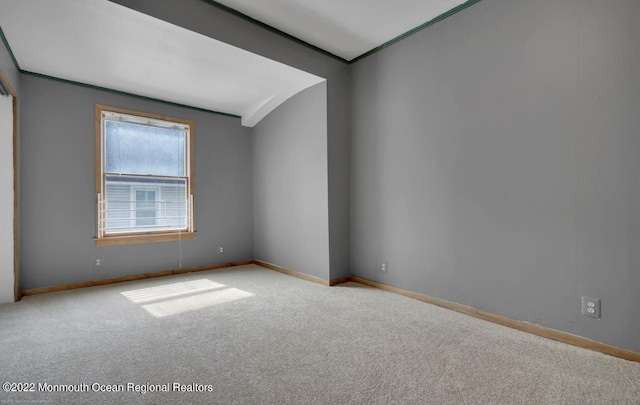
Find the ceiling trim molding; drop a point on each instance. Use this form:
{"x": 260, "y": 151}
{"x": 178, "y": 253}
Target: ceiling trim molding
{"x": 124, "y": 93}
{"x": 327, "y": 53}
{"x": 416, "y": 30}
{"x": 6, "y": 44}
{"x": 273, "y": 29}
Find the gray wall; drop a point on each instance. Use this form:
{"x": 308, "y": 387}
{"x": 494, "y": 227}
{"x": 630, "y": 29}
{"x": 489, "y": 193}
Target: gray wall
{"x": 495, "y": 163}
{"x": 290, "y": 184}
{"x": 58, "y": 189}
{"x": 201, "y": 17}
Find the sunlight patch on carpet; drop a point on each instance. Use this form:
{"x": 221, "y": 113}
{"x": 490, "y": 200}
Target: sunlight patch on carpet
{"x": 177, "y": 298}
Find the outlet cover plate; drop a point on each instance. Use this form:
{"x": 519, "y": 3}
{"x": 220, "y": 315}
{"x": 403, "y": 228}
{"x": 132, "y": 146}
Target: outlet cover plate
{"x": 384, "y": 267}
{"x": 591, "y": 307}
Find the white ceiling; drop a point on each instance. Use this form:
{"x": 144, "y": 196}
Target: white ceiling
{"x": 101, "y": 43}
{"x": 104, "y": 44}
{"x": 346, "y": 28}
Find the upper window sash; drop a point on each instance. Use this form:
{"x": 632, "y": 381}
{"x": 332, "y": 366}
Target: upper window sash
{"x": 132, "y": 147}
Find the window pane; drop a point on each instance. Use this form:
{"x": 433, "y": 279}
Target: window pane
{"x": 146, "y": 207}
{"x": 145, "y": 204}
{"x": 141, "y": 149}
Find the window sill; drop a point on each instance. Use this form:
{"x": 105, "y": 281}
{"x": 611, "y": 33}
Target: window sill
{"x": 151, "y": 238}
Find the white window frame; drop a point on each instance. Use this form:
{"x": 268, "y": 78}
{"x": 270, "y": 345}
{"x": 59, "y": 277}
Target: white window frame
{"x": 112, "y": 238}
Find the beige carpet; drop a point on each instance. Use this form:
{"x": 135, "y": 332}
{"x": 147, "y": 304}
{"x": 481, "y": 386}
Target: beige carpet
{"x": 248, "y": 335}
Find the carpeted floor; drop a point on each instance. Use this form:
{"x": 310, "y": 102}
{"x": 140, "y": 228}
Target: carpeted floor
{"x": 249, "y": 335}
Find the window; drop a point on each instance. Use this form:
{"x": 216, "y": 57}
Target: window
{"x": 144, "y": 177}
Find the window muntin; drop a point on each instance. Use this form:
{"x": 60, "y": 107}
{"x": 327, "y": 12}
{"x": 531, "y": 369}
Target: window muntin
{"x": 145, "y": 182}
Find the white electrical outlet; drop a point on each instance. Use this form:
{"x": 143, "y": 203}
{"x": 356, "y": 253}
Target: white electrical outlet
{"x": 97, "y": 263}
{"x": 591, "y": 307}
{"x": 220, "y": 249}
{"x": 383, "y": 267}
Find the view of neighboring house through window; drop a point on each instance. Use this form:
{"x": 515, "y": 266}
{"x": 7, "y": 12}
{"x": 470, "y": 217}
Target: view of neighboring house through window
{"x": 145, "y": 168}
{"x": 147, "y": 211}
